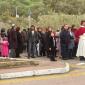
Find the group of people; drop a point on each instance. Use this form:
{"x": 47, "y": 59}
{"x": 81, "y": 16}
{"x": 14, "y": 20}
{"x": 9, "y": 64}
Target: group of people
{"x": 38, "y": 42}
{"x": 72, "y": 41}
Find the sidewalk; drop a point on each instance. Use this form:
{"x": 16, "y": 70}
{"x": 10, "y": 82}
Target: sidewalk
{"x": 45, "y": 67}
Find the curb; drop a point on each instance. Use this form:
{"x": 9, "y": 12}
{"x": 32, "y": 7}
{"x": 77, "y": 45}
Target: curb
{"x": 35, "y": 72}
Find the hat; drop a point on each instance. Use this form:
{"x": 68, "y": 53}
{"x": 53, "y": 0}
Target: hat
{"x": 13, "y": 25}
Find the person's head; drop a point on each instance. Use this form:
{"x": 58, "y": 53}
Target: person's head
{"x": 18, "y": 29}
{"x": 83, "y": 23}
{"x": 3, "y": 33}
{"x": 5, "y": 38}
{"x": 62, "y": 27}
{"x": 46, "y": 29}
{"x": 50, "y": 29}
{"x": 58, "y": 30}
{"x": 33, "y": 28}
{"x": 24, "y": 30}
{"x": 2, "y": 30}
{"x": 28, "y": 29}
{"x": 66, "y": 26}
{"x": 57, "y": 34}
{"x": 8, "y": 30}
{"x": 52, "y": 34}
{"x": 13, "y": 26}
{"x": 73, "y": 26}
{"x": 39, "y": 29}
{"x": 69, "y": 29}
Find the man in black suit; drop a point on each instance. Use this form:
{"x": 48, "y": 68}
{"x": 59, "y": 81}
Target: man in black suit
{"x": 32, "y": 42}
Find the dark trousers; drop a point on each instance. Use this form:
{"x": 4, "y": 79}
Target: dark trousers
{"x": 71, "y": 55}
{"x": 43, "y": 51}
{"x": 75, "y": 50}
{"x": 52, "y": 53}
{"x": 12, "y": 53}
{"x": 64, "y": 51}
{"x": 82, "y": 58}
{"x": 17, "y": 53}
{"x": 47, "y": 52}
{"x": 32, "y": 49}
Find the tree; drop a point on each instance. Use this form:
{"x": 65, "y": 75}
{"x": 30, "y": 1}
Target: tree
{"x": 66, "y": 6}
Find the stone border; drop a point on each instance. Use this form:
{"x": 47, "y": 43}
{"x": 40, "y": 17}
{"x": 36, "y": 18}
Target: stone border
{"x": 36, "y": 72}
{"x": 6, "y": 63}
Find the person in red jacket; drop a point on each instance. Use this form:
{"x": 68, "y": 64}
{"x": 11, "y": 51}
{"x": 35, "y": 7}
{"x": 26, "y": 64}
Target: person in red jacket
{"x": 80, "y": 32}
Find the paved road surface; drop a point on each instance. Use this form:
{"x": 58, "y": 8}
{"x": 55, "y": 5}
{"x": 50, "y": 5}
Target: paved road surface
{"x": 75, "y": 77}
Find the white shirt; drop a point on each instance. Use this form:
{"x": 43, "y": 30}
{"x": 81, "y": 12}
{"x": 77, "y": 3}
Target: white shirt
{"x": 32, "y": 32}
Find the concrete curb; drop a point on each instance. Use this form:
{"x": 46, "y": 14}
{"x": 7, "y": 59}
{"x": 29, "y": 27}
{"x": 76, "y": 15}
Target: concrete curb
{"x": 35, "y": 72}
{"x": 19, "y": 59}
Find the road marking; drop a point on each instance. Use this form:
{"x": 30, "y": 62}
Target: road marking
{"x": 21, "y": 80}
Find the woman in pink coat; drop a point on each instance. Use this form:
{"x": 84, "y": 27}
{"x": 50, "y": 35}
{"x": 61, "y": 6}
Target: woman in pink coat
{"x": 5, "y": 47}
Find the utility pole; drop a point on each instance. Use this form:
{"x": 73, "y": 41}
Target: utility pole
{"x": 29, "y": 17}
{"x": 17, "y": 16}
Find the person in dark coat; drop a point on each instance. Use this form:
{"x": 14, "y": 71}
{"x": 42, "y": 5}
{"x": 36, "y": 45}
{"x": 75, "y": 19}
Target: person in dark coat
{"x": 24, "y": 39}
{"x": 48, "y": 33}
{"x": 32, "y": 41}
{"x": 28, "y": 31}
{"x": 52, "y": 47}
{"x": 39, "y": 45}
{"x": 12, "y": 38}
{"x": 19, "y": 43}
{"x": 71, "y": 44}
{"x": 74, "y": 30}
{"x": 64, "y": 42}
{"x": 43, "y": 42}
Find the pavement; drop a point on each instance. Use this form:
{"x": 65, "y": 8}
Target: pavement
{"x": 45, "y": 67}
{"x": 76, "y": 75}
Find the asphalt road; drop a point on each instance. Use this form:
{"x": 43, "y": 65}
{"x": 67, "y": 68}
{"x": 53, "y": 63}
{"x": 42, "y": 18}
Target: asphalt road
{"x": 76, "y": 76}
